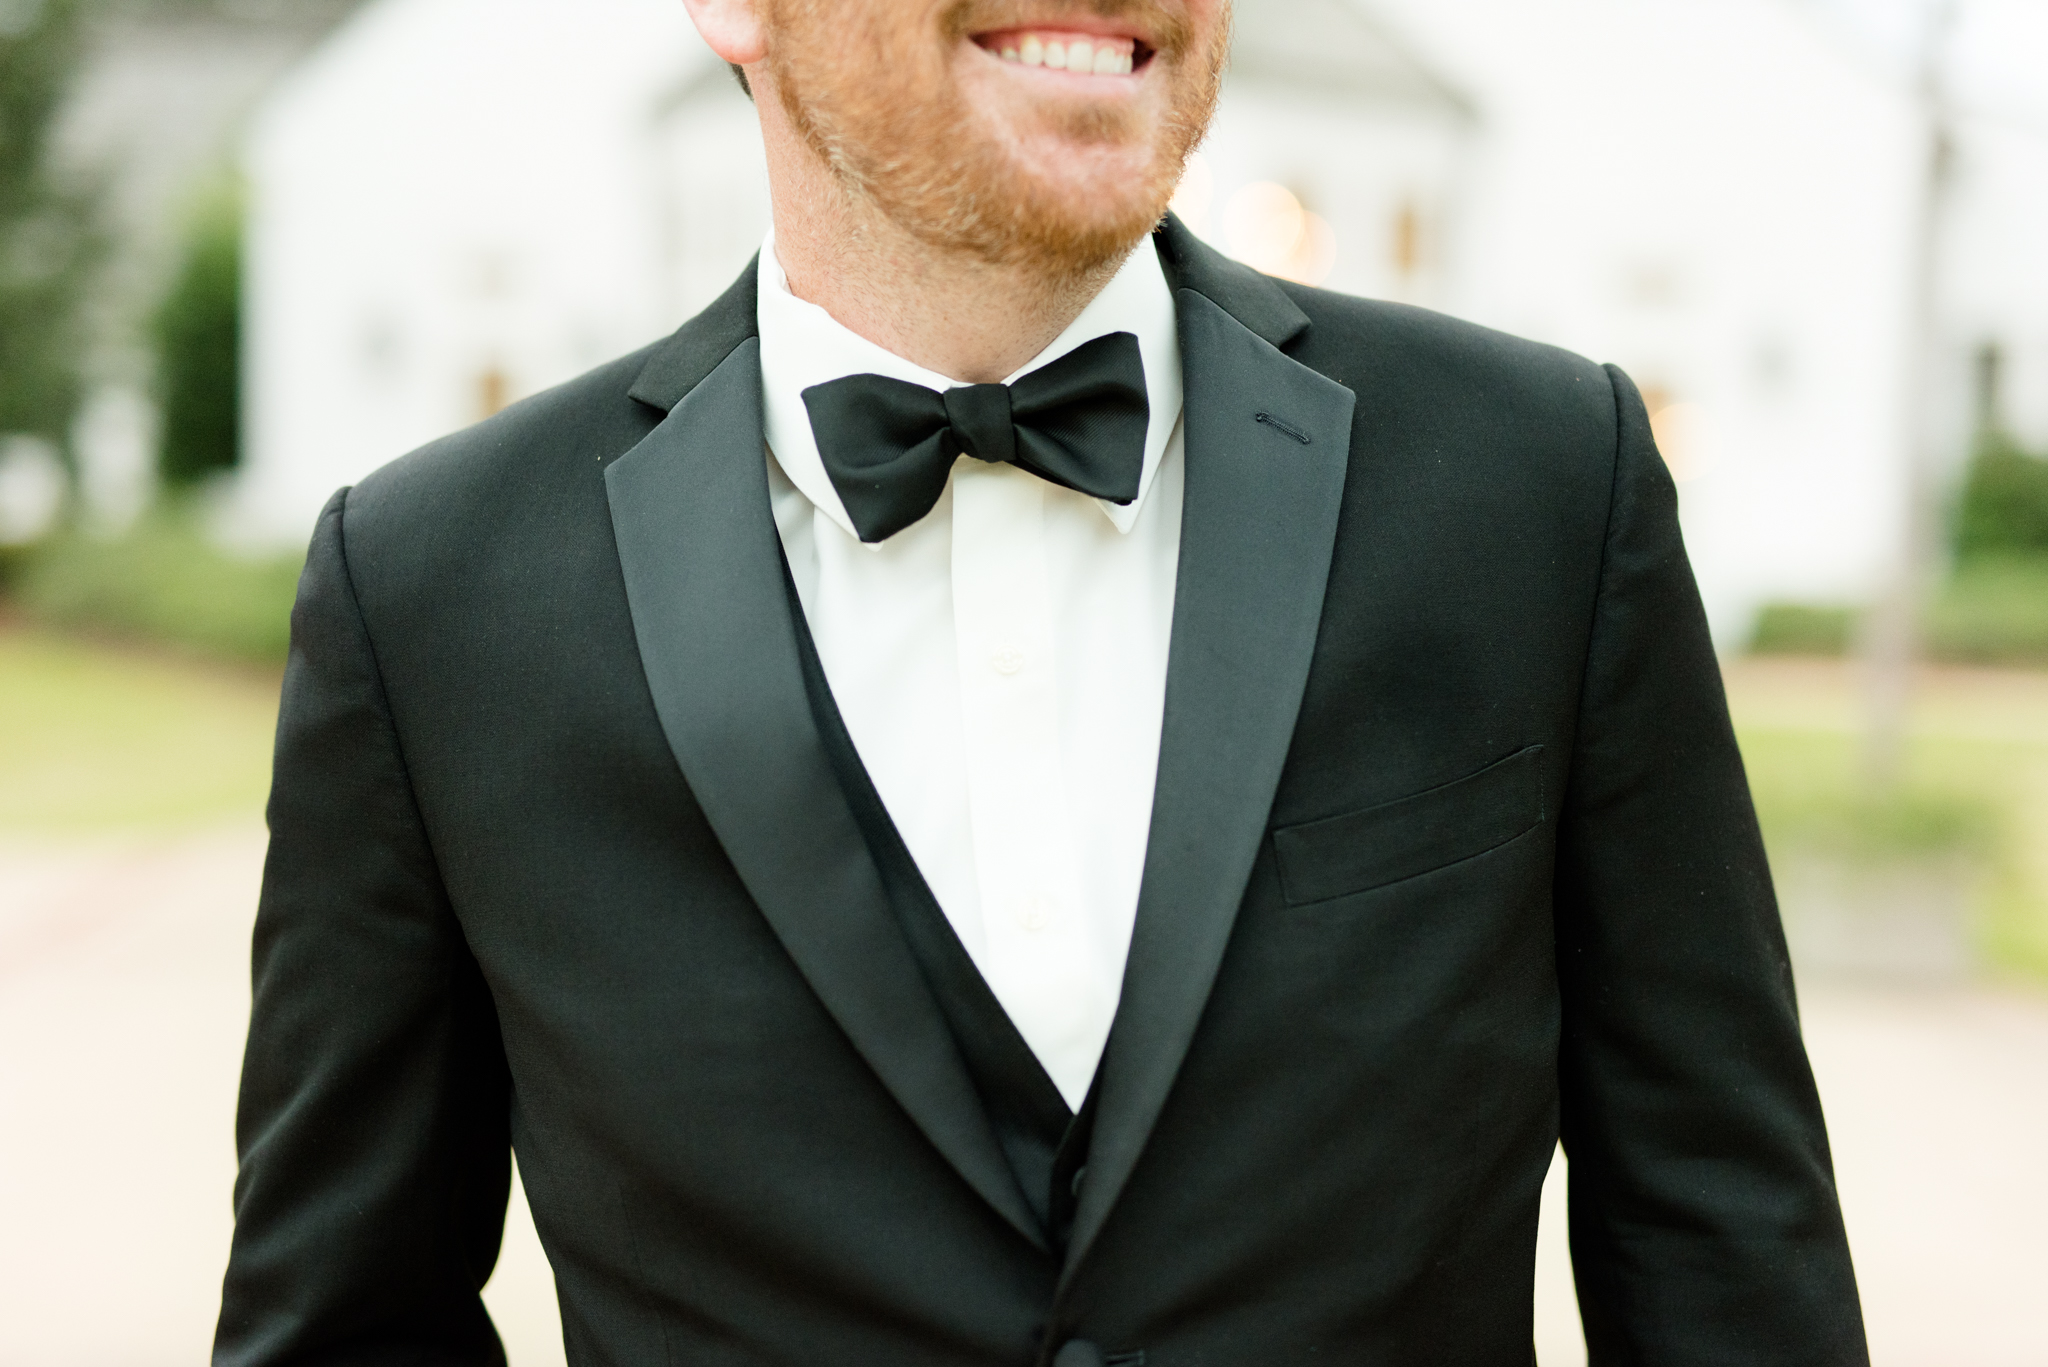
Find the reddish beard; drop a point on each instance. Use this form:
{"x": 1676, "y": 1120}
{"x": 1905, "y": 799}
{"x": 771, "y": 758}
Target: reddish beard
{"x": 877, "y": 101}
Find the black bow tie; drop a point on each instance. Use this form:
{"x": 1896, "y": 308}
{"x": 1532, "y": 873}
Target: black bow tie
{"x": 889, "y": 445}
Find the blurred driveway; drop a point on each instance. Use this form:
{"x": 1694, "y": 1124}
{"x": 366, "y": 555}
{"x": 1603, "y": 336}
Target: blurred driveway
{"x": 124, "y": 994}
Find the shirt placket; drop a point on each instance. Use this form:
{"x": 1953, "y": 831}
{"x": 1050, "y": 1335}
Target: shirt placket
{"x": 1037, "y": 953}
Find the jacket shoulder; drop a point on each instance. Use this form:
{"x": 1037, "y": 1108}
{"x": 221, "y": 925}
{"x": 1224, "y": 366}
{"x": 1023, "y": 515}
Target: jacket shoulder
{"x": 1468, "y": 427}
{"x": 1385, "y": 347}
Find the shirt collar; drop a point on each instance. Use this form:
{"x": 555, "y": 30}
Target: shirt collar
{"x": 802, "y": 345}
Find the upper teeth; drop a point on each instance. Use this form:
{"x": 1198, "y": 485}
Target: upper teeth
{"x": 1069, "y": 52}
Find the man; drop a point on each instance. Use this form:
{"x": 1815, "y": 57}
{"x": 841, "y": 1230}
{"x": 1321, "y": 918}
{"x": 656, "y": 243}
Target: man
{"x": 1124, "y": 837}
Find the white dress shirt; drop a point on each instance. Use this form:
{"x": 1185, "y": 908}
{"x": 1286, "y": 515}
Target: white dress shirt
{"x": 1000, "y": 664}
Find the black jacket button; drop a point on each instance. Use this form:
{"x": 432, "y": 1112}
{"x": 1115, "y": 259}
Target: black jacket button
{"x": 1078, "y": 1353}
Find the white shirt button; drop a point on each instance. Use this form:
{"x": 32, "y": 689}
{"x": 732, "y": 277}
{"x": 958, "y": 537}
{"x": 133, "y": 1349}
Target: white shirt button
{"x": 1007, "y": 661}
{"x": 1033, "y": 912}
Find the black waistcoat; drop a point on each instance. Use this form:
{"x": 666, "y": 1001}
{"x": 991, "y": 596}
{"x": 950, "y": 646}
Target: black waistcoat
{"x": 1044, "y": 1140}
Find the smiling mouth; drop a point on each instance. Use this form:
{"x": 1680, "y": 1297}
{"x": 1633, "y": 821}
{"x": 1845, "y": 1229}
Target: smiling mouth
{"x": 1080, "y": 54}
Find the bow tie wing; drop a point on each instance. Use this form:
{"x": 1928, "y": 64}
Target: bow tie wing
{"x": 889, "y": 445}
{"x": 1081, "y": 421}
{"x": 884, "y": 445}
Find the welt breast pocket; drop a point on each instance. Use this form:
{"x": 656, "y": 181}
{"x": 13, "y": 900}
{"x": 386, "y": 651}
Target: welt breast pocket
{"x": 1382, "y": 844}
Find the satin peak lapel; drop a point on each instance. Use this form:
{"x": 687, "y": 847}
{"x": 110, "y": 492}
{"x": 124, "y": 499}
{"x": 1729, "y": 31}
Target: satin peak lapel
{"x": 704, "y": 581}
{"x": 1268, "y": 441}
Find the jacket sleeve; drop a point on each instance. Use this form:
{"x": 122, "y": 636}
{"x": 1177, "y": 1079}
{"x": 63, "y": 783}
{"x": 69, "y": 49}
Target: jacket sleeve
{"x": 373, "y": 1128}
{"x": 1704, "y": 1223}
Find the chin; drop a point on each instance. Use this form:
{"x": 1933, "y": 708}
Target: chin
{"x": 1092, "y": 175}
{"x": 1115, "y": 210}
{"x": 1077, "y": 185}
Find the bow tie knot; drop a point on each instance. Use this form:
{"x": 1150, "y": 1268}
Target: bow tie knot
{"x": 889, "y": 445}
{"x": 983, "y": 421}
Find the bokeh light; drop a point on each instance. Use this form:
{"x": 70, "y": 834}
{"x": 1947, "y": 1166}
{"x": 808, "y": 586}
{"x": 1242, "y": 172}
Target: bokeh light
{"x": 1684, "y": 437}
{"x": 1267, "y": 228}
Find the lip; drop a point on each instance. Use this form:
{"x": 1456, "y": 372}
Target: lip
{"x": 1092, "y": 25}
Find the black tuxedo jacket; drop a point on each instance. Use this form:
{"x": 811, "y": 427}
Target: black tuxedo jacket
{"x": 1452, "y": 853}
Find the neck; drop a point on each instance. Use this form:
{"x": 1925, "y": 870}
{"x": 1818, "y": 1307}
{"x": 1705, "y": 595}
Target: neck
{"x": 958, "y": 315}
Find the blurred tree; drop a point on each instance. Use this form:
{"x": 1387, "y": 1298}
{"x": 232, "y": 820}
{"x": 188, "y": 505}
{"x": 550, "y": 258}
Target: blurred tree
{"x": 47, "y": 238}
{"x": 2004, "y": 505}
{"x": 198, "y": 331}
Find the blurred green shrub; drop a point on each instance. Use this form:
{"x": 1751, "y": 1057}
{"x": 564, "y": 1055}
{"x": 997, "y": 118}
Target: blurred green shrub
{"x": 198, "y": 334}
{"x": 1803, "y": 629}
{"x": 2003, "y": 510}
{"x": 1994, "y": 607}
{"x": 1993, "y": 610}
{"x": 163, "y": 581}
{"x": 48, "y": 241}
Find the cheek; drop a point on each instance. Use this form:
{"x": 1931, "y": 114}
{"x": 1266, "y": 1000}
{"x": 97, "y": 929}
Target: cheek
{"x": 855, "y": 52}
{"x": 905, "y": 42}
{"x": 1209, "y": 18}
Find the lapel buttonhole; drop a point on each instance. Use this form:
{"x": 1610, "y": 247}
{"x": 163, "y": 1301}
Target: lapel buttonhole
{"x": 1283, "y": 426}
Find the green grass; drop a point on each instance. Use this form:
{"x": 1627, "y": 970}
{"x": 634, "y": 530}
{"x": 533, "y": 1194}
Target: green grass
{"x": 1961, "y": 800}
{"x": 95, "y": 737}
{"x": 1993, "y": 609}
{"x": 1810, "y": 792}
{"x": 162, "y": 582}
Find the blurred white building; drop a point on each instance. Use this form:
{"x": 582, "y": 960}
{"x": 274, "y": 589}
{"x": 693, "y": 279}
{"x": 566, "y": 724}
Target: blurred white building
{"x": 457, "y": 202}
{"x": 1996, "y": 275}
{"x": 452, "y": 203}
{"x": 1716, "y": 196}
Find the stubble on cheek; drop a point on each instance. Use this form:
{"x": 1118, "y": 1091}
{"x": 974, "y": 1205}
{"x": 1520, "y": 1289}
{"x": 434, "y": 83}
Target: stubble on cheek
{"x": 876, "y": 98}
